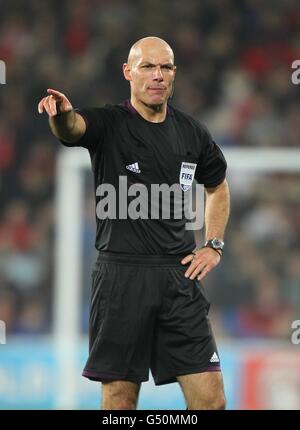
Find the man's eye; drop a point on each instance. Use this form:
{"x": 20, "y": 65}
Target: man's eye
{"x": 147, "y": 66}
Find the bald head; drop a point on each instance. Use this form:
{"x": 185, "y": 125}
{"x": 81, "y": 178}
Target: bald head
{"x": 147, "y": 46}
{"x": 151, "y": 71}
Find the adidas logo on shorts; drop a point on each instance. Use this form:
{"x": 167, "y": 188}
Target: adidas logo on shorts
{"x": 214, "y": 358}
{"x": 133, "y": 167}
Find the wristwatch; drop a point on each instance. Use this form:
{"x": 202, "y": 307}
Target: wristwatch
{"x": 216, "y": 244}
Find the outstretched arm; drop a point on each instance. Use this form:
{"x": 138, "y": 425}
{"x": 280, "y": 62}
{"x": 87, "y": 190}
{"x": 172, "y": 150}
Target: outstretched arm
{"x": 64, "y": 122}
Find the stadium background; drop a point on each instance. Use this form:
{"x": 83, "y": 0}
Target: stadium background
{"x": 234, "y": 74}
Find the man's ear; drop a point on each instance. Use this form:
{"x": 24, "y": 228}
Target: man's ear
{"x": 126, "y": 72}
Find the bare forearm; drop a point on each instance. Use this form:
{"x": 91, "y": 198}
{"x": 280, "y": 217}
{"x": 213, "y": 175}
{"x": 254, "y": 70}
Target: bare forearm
{"x": 69, "y": 126}
{"x": 217, "y": 211}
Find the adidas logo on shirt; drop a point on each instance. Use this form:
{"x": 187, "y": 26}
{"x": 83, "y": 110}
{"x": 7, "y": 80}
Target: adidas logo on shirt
{"x": 214, "y": 358}
{"x": 133, "y": 167}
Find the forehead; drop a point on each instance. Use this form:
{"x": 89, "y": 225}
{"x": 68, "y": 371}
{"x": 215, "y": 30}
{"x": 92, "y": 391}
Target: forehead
{"x": 154, "y": 55}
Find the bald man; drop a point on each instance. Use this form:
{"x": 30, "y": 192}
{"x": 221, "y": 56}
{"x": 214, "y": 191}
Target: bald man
{"x": 149, "y": 309}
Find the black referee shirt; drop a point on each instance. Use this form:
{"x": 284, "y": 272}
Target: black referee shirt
{"x": 122, "y": 143}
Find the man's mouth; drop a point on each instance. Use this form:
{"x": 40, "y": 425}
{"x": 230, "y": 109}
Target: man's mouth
{"x": 156, "y": 88}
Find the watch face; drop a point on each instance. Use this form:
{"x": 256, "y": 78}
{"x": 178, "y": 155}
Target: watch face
{"x": 217, "y": 243}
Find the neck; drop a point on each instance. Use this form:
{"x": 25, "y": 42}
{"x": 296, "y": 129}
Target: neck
{"x": 152, "y": 113}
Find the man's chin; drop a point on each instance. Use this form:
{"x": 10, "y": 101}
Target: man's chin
{"x": 156, "y": 105}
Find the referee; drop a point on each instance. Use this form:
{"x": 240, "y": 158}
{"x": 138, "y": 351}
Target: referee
{"x": 149, "y": 309}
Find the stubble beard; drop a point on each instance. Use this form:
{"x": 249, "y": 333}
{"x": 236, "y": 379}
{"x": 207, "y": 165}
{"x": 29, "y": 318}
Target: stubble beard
{"x": 155, "y": 107}
{"x": 158, "y": 107}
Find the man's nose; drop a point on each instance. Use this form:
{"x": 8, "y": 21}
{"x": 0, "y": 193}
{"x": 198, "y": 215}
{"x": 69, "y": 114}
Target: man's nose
{"x": 157, "y": 73}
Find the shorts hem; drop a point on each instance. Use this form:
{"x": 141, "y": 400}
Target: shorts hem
{"x": 113, "y": 376}
{"x": 172, "y": 379}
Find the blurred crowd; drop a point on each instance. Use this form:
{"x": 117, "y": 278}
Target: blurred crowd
{"x": 234, "y": 74}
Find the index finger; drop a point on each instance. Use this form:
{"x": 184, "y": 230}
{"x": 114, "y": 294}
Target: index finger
{"x": 54, "y": 92}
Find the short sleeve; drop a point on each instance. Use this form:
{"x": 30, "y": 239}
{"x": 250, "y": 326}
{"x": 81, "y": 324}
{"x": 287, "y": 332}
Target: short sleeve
{"x": 211, "y": 169}
{"x": 95, "y": 129}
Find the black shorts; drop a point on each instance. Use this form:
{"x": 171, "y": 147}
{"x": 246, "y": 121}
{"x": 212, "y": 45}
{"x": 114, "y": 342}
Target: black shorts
{"x": 146, "y": 314}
